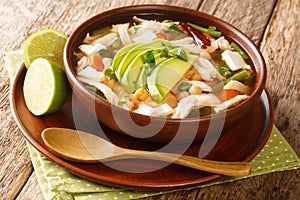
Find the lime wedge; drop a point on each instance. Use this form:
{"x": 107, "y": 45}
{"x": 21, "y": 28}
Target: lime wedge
{"x": 45, "y": 87}
{"x": 13, "y": 61}
{"x": 48, "y": 43}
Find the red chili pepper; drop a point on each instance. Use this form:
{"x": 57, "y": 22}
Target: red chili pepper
{"x": 198, "y": 36}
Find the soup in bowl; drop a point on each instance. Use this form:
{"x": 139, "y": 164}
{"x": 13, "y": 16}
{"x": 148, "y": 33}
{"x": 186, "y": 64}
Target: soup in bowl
{"x": 161, "y": 73}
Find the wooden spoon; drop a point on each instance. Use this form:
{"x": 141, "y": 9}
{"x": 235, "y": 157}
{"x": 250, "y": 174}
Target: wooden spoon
{"x": 78, "y": 146}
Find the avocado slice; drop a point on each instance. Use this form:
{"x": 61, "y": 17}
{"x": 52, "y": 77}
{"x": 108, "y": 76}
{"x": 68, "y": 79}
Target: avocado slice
{"x": 132, "y": 53}
{"x": 121, "y": 53}
{"x": 133, "y": 78}
{"x": 165, "y": 76}
{"x": 141, "y": 80}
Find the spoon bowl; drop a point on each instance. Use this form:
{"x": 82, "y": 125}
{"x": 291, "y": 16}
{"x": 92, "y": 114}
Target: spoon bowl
{"x": 82, "y": 147}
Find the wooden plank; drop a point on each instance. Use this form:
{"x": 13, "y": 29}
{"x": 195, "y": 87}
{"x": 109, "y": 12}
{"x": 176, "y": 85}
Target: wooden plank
{"x": 280, "y": 48}
{"x": 31, "y": 190}
{"x": 251, "y": 17}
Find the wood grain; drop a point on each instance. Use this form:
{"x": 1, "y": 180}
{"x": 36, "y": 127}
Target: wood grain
{"x": 251, "y": 17}
{"x": 272, "y": 25}
{"x": 31, "y": 188}
{"x": 281, "y": 47}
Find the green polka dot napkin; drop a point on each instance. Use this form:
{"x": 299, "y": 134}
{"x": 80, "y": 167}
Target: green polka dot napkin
{"x": 58, "y": 184}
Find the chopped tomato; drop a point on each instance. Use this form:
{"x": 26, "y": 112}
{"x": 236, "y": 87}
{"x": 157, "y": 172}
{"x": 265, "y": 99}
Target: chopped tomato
{"x": 229, "y": 94}
{"x": 160, "y": 35}
{"x": 96, "y": 62}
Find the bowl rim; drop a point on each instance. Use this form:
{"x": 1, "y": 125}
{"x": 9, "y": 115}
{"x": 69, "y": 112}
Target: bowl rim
{"x": 243, "y": 41}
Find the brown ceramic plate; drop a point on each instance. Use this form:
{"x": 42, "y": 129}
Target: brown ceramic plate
{"x": 241, "y": 143}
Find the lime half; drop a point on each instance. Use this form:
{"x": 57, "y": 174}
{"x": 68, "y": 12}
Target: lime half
{"x": 45, "y": 87}
{"x": 48, "y": 43}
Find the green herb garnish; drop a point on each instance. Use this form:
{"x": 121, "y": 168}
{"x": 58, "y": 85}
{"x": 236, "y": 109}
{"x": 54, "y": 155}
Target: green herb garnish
{"x": 184, "y": 86}
{"x": 181, "y": 54}
{"x": 121, "y": 103}
{"x": 164, "y": 52}
{"x": 149, "y": 58}
{"x": 109, "y": 73}
{"x": 106, "y": 53}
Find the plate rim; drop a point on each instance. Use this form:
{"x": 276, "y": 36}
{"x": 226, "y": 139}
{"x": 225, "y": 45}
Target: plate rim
{"x": 111, "y": 182}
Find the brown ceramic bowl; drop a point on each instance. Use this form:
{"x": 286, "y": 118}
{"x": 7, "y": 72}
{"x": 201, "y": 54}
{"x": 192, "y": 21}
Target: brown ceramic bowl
{"x": 158, "y": 129}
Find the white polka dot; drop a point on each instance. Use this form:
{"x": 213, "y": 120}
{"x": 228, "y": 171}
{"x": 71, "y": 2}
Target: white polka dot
{"x": 280, "y": 142}
{"x": 277, "y": 158}
{"x": 115, "y": 197}
{"x": 145, "y": 195}
{"x": 267, "y": 156}
{"x": 88, "y": 185}
{"x": 259, "y": 167}
{"x": 285, "y": 149}
{"x": 287, "y": 161}
{"x": 273, "y": 164}
{"x": 130, "y": 196}
{"x": 97, "y": 189}
{"x": 291, "y": 156}
{"x": 120, "y": 192}
{"x": 276, "y": 147}
{"x": 263, "y": 162}
{"x": 79, "y": 181}
{"x": 272, "y": 152}
{"x": 275, "y": 135}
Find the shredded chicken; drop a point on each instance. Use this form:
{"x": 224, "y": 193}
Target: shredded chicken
{"x": 230, "y": 103}
{"x": 90, "y": 73}
{"x": 187, "y": 104}
{"x": 202, "y": 85}
{"x": 122, "y": 30}
{"x": 152, "y": 24}
{"x": 89, "y": 49}
{"x": 207, "y": 69}
{"x": 107, "y": 92}
{"x": 238, "y": 86}
{"x": 160, "y": 111}
{"x": 106, "y": 40}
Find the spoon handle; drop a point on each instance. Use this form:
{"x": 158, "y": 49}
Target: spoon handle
{"x": 218, "y": 167}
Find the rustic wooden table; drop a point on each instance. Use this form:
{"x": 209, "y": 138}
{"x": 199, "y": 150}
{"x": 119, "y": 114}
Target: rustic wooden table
{"x": 272, "y": 24}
